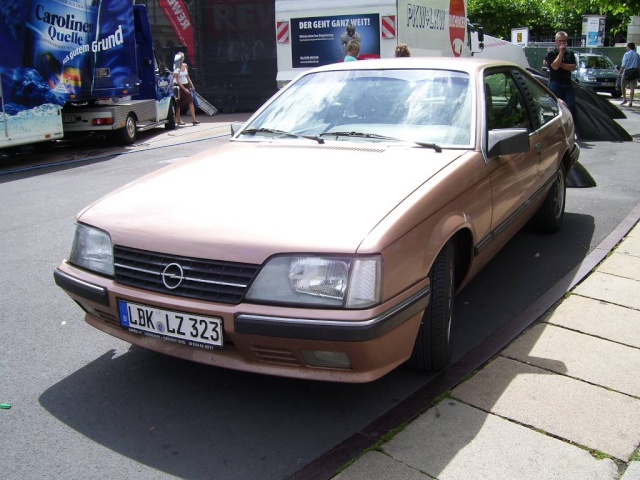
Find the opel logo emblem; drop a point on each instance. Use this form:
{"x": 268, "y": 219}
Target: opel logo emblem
{"x": 172, "y": 276}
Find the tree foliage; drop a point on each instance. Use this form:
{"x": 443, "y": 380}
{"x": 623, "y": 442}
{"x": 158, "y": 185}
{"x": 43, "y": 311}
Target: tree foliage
{"x": 545, "y": 17}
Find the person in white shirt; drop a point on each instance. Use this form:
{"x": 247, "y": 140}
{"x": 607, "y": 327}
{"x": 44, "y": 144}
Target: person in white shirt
{"x": 185, "y": 85}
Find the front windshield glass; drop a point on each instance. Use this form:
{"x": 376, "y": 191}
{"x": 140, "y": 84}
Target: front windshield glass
{"x": 426, "y": 106}
{"x": 602, "y": 63}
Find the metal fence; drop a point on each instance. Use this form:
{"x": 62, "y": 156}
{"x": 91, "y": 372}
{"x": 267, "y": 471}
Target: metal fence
{"x": 535, "y": 55}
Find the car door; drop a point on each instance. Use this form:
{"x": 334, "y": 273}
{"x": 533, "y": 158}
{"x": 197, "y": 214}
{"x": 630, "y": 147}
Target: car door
{"x": 514, "y": 178}
{"x": 548, "y": 134}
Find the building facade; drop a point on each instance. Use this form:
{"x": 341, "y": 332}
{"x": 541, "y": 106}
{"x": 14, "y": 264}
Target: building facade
{"x": 229, "y": 46}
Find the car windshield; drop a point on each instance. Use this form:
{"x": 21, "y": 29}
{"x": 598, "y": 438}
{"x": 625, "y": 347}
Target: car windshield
{"x": 596, "y": 62}
{"x": 422, "y": 106}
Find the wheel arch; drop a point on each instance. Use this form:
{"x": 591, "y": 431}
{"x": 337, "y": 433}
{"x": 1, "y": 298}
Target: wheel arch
{"x": 463, "y": 254}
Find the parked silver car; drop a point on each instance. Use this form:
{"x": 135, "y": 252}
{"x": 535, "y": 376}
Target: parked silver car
{"x": 598, "y": 73}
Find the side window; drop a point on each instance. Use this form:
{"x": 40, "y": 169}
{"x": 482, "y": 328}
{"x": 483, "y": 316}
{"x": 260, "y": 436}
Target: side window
{"x": 545, "y": 105}
{"x": 505, "y": 106}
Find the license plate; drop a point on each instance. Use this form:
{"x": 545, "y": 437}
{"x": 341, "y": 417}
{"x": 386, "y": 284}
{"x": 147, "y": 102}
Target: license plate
{"x": 607, "y": 84}
{"x": 186, "y": 328}
{"x": 68, "y": 119}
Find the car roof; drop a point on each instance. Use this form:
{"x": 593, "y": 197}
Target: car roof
{"x": 469, "y": 65}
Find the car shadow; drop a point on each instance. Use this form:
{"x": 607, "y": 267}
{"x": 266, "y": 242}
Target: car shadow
{"x": 195, "y": 421}
{"x": 521, "y": 273}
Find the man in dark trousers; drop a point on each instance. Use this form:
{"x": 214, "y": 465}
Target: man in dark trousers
{"x": 561, "y": 63}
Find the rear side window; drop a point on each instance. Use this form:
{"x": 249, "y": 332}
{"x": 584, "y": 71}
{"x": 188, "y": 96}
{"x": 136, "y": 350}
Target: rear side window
{"x": 545, "y": 106}
{"x": 505, "y": 105}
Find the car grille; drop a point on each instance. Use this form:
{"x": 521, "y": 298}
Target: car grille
{"x": 209, "y": 280}
{"x": 276, "y": 356}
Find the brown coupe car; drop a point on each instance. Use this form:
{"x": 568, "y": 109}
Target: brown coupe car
{"x": 327, "y": 240}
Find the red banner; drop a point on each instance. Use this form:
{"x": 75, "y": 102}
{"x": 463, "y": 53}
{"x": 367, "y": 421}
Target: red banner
{"x": 179, "y": 18}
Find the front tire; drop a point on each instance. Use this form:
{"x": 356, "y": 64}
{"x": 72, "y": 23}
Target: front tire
{"x": 432, "y": 350}
{"x": 551, "y": 214}
{"x": 129, "y": 133}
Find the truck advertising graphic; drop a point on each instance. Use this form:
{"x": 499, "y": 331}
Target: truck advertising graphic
{"x": 62, "y": 58}
{"x": 30, "y": 109}
{"x": 319, "y": 41}
{"x": 310, "y": 34}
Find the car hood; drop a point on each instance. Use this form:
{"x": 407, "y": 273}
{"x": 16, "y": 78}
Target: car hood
{"x": 599, "y": 72}
{"x": 245, "y": 202}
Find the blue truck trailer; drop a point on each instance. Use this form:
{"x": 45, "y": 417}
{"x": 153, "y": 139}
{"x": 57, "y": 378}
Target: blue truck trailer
{"x": 76, "y": 67}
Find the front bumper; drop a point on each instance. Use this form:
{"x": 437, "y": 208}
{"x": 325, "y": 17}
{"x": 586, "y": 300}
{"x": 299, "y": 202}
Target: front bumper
{"x": 266, "y": 339}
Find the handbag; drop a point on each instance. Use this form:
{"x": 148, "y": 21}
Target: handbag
{"x": 631, "y": 73}
{"x": 196, "y": 102}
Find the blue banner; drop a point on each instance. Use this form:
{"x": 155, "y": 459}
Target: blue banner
{"x": 317, "y": 41}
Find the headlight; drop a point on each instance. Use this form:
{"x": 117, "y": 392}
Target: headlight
{"x": 589, "y": 78}
{"x": 319, "y": 281}
{"x": 92, "y": 250}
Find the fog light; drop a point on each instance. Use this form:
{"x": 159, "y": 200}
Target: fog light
{"x": 317, "y": 358}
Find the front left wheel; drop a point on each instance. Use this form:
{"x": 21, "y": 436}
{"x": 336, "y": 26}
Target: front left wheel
{"x": 432, "y": 350}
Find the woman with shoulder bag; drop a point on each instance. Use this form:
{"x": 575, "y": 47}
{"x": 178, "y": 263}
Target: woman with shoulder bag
{"x": 185, "y": 86}
{"x": 629, "y": 72}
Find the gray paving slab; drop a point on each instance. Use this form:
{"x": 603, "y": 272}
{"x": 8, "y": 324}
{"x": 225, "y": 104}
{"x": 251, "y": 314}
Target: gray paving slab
{"x": 374, "y": 465}
{"x": 632, "y": 472}
{"x": 601, "y": 319}
{"x": 581, "y": 356}
{"x": 610, "y": 288}
{"x": 571, "y": 409}
{"x": 622, "y": 265}
{"x": 454, "y": 441}
{"x": 629, "y": 246}
{"x": 635, "y": 232}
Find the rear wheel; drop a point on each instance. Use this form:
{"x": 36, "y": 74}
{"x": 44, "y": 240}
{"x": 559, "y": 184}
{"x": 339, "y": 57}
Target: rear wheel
{"x": 171, "y": 117}
{"x": 432, "y": 350}
{"x": 551, "y": 214}
{"x": 129, "y": 133}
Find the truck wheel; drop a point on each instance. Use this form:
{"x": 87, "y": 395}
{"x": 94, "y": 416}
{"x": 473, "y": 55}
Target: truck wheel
{"x": 170, "y": 123}
{"x": 551, "y": 214}
{"x": 432, "y": 350}
{"x": 129, "y": 133}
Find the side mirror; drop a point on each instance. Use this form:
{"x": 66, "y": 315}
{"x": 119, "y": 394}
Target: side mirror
{"x": 236, "y": 127}
{"x": 507, "y": 142}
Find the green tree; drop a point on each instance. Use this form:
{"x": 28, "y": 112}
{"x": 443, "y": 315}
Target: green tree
{"x": 545, "y": 17}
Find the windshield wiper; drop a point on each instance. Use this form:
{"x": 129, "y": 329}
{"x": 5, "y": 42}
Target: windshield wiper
{"x": 359, "y": 135}
{"x": 375, "y": 136}
{"x": 281, "y": 132}
{"x": 435, "y": 146}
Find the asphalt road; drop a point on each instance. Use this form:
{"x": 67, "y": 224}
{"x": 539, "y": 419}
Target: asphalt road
{"x": 86, "y": 405}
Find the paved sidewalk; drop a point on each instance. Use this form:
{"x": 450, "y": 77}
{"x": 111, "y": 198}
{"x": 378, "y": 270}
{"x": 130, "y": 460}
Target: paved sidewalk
{"x": 560, "y": 402}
